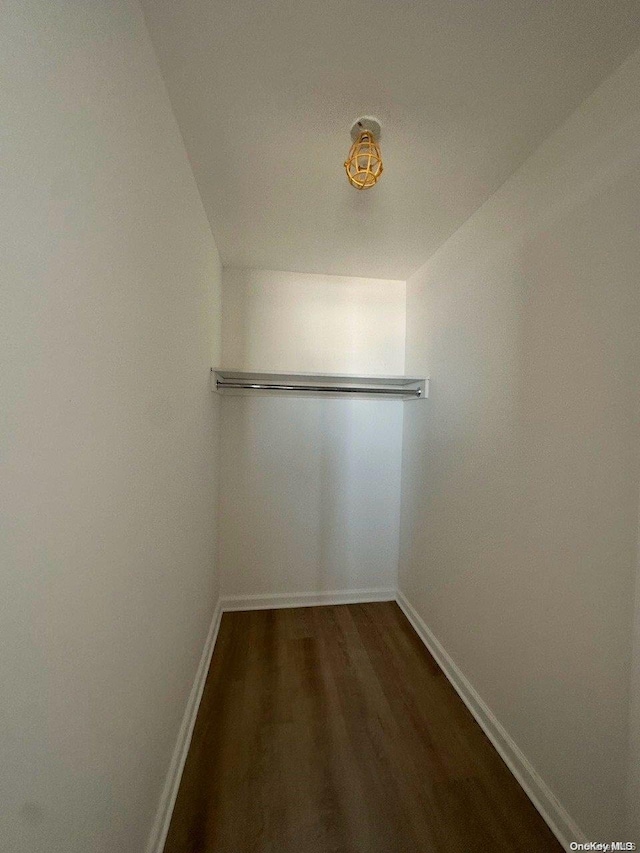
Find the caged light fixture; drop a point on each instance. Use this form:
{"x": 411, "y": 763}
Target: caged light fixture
{"x": 364, "y": 163}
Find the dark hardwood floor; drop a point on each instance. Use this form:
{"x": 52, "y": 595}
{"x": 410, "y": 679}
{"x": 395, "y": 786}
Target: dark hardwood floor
{"x": 332, "y": 730}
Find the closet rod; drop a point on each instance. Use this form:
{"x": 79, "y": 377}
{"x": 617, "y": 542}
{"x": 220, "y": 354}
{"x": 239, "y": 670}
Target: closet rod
{"x": 322, "y": 389}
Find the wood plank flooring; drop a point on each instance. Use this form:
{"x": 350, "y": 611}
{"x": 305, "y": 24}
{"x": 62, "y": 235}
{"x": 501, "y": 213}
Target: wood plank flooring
{"x": 332, "y": 730}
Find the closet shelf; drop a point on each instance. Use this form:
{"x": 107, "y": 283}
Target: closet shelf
{"x": 332, "y": 385}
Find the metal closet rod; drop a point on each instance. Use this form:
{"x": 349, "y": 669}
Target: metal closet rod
{"x": 322, "y": 389}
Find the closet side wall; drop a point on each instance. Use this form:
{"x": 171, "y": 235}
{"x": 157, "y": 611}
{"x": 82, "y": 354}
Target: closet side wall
{"x": 520, "y": 487}
{"x": 110, "y": 308}
{"x": 310, "y": 488}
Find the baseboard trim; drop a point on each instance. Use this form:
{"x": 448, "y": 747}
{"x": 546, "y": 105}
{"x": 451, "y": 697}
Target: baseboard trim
{"x": 306, "y": 599}
{"x": 555, "y": 815}
{"x": 160, "y": 828}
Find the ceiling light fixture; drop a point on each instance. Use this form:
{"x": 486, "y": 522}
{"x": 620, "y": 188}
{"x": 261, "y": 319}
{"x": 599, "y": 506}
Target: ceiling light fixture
{"x": 364, "y": 163}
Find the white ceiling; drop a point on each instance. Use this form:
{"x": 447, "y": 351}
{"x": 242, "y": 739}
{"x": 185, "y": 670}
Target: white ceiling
{"x": 265, "y": 92}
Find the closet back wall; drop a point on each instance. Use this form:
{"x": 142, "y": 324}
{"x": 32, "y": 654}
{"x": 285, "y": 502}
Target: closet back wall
{"x": 310, "y": 488}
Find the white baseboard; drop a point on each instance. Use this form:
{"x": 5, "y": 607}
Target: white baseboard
{"x": 306, "y": 599}
{"x": 555, "y": 815}
{"x": 170, "y": 792}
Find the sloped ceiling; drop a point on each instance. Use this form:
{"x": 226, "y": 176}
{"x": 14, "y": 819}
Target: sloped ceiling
{"x": 265, "y": 92}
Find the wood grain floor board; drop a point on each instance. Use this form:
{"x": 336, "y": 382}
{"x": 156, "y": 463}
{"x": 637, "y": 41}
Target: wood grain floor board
{"x": 333, "y": 730}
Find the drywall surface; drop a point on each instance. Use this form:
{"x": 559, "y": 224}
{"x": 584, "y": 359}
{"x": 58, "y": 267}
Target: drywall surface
{"x": 109, "y": 304}
{"x": 310, "y": 499}
{"x": 520, "y": 476}
{"x": 310, "y": 488}
{"x": 282, "y": 321}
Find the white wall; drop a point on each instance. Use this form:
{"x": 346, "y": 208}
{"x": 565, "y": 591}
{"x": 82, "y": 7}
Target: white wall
{"x": 283, "y": 321}
{"x": 310, "y": 488}
{"x": 520, "y": 476}
{"x": 109, "y": 302}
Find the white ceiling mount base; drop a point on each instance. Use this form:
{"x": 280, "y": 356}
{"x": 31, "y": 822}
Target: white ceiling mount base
{"x": 366, "y": 123}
